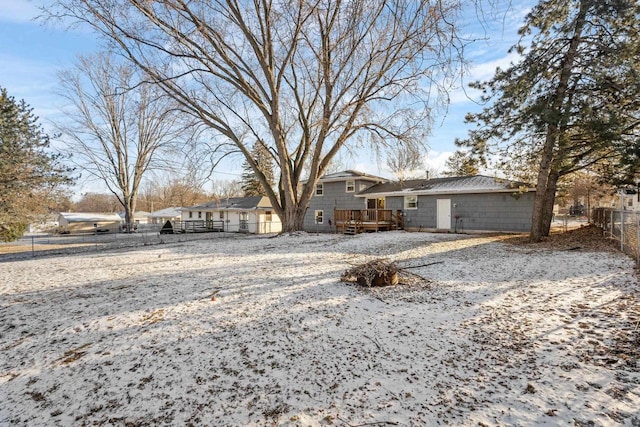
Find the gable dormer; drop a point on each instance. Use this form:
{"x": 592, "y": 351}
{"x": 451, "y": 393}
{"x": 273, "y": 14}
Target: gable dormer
{"x": 346, "y": 182}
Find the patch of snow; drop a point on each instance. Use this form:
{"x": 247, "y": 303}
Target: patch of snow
{"x": 261, "y": 330}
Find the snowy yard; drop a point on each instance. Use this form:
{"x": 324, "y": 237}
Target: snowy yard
{"x": 260, "y": 331}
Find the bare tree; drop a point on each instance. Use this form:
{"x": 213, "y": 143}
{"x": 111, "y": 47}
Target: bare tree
{"x": 224, "y": 189}
{"x": 305, "y": 78}
{"x": 98, "y": 202}
{"x": 117, "y": 128}
{"x": 166, "y": 190}
{"x": 404, "y": 162}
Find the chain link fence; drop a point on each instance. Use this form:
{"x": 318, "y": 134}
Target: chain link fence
{"x": 621, "y": 225}
{"x": 48, "y": 244}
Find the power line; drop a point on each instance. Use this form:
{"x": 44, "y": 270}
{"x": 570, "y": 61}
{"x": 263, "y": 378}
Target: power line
{"x": 227, "y": 173}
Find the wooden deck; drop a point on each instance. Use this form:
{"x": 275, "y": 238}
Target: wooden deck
{"x": 350, "y": 221}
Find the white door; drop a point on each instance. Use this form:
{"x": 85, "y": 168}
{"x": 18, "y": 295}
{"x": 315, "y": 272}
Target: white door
{"x": 444, "y": 214}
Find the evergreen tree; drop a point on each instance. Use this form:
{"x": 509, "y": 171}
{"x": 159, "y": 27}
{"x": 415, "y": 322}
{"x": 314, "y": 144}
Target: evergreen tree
{"x": 461, "y": 163}
{"x": 572, "y": 102}
{"x": 251, "y": 185}
{"x": 29, "y": 174}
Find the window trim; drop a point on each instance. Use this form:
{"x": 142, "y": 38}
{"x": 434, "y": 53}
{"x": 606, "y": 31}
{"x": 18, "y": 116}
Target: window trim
{"x": 268, "y": 216}
{"x": 315, "y": 216}
{"x": 407, "y": 204}
{"x": 319, "y": 186}
{"x": 353, "y": 186}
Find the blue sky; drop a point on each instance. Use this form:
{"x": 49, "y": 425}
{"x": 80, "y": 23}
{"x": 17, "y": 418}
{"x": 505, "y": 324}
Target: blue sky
{"x": 31, "y": 54}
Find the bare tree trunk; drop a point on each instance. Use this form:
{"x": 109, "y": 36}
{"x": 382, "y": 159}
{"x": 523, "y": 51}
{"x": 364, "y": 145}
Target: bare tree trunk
{"x": 129, "y": 213}
{"x": 293, "y": 219}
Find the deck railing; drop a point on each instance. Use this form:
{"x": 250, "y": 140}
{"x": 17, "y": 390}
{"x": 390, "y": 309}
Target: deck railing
{"x": 369, "y": 215}
{"x": 370, "y": 219}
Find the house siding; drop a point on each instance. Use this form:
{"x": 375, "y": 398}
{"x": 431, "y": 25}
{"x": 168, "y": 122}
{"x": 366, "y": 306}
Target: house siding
{"x": 256, "y": 219}
{"x": 334, "y": 196}
{"x": 483, "y": 211}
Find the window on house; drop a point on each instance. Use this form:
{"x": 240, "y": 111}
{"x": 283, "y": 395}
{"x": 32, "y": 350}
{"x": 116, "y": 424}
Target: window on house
{"x": 411, "y": 202}
{"x": 221, "y": 215}
{"x": 199, "y": 215}
{"x": 351, "y": 186}
{"x": 267, "y": 216}
{"x": 190, "y": 214}
{"x": 319, "y": 189}
{"x": 319, "y": 217}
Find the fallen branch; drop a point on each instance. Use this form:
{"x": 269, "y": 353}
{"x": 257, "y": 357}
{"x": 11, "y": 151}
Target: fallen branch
{"x": 374, "y": 341}
{"x": 416, "y": 275}
{"x": 424, "y": 265}
{"x": 374, "y": 423}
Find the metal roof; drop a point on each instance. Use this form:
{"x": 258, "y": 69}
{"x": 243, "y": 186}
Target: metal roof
{"x": 347, "y": 175}
{"x": 166, "y": 212}
{"x": 90, "y": 217}
{"x": 457, "y": 184}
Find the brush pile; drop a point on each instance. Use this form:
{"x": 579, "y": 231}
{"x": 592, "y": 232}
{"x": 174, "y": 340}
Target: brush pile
{"x": 378, "y": 272}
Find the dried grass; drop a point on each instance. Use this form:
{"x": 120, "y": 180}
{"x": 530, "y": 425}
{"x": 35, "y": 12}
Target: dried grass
{"x": 587, "y": 237}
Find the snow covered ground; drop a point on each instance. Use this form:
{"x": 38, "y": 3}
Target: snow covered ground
{"x": 260, "y": 331}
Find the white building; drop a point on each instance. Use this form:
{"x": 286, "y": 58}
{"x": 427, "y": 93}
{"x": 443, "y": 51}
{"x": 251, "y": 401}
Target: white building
{"x": 237, "y": 214}
{"x": 83, "y": 222}
{"x": 163, "y": 215}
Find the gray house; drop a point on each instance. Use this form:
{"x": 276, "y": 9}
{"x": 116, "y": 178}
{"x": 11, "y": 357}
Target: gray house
{"x": 337, "y": 191}
{"x": 470, "y": 203}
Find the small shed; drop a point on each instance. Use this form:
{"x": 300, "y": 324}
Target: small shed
{"x": 87, "y": 222}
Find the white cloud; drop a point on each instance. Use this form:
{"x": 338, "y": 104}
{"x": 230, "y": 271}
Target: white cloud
{"x": 481, "y": 72}
{"x": 373, "y": 169}
{"x": 435, "y": 161}
{"x": 486, "y": 70}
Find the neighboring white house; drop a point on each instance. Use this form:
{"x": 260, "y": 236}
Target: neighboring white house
{"x": 140, "y": 217}
{"x": 163, "y": 215}
{"x": 83, "y": 222}
{"x": 630, "y": 199}
{"x": 235, "y": 214}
